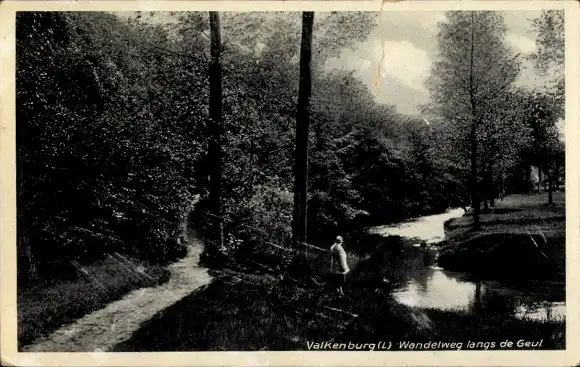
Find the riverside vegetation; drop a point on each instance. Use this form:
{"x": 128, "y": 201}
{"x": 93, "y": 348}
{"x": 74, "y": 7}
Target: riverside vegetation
{"x": 522, "y": 237}
{"x": 113, "y": 132}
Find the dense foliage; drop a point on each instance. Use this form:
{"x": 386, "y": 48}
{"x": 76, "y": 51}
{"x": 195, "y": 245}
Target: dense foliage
{"x": 112, "y": 117}
{"x": 496, "y": 130}
{"x": 106, "y": 160}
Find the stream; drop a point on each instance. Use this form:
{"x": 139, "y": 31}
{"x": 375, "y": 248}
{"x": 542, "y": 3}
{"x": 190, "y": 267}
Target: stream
{"x": 421, "y": 283}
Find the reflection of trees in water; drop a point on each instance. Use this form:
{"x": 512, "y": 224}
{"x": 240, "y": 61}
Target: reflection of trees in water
{"x": 477, "y": 297}
{"x": 397, "y": 259}
{"x": 422, "y": 277}
{"x": 429, "y": 257}
{"x": 491, "y": 300}
{"x": 367, "y": 244}
{"x": 494, "y": 302}
{"x": 410, "y": 262}
{"x": 422, "y": 258}
{"x": 383, "y": 262}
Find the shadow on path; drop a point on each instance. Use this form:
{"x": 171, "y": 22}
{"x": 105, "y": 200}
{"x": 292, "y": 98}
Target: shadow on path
{"x": 105, "y": 328}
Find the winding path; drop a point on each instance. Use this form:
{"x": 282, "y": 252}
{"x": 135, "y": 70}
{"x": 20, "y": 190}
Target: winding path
{"x": 101, "y": 330}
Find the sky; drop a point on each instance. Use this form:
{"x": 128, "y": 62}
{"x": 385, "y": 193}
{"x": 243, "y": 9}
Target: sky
{"x": 410, "y": 47}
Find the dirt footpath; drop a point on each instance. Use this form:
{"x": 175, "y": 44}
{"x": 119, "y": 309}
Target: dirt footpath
{"x": 103, "y": 329}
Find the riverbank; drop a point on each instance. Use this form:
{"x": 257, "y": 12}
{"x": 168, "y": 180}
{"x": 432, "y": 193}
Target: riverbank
{"x": 522, "y": 236}
{"x": 261, "y": 311}
{"x": 241, "y": 311}
{"x": 252, "y": 310}
{"x": 257, "y": 312}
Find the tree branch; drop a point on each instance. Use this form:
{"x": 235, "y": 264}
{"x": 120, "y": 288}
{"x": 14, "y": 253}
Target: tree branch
{"x": 504, "y": 86}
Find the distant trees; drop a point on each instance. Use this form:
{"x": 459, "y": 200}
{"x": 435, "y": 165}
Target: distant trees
{"x": 544, "y": 150}
{"x": 500, "y": 149}
{"x": 476, "y": 107}
{"x": 549, "y": 57}
{"x": 541, "y": 109}
{"x": 121, "y": 123}
{"x": 474, "y": 74}
{"x": 550, "y": 103}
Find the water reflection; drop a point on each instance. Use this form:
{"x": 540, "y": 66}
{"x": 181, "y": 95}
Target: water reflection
{"x": 428, "y": 228}
{"x": 435, "y": 288}
{"x": 422, "y": 284}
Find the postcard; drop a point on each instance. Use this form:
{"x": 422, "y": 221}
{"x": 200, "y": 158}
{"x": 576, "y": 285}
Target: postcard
{"x": 281, "y": 183}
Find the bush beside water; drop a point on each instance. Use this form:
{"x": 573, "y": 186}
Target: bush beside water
{"x": 521, "y": 238}
{"x": 507, "y": 255}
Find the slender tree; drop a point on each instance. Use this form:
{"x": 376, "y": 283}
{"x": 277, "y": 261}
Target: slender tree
{"x": 215, "y": 108}
{"x": 549, "y": 58}
{"x": 474, "y": 72}
{"x": 302, "y": 127}
{"x": 474, "y": 122}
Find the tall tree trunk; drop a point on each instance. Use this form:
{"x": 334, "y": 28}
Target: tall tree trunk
{"x": 502, "y": 185}
{"x": 215, "y": 110}
{"x": 493, "y": 192}
{"x": 477, "y": 297}
{"x": 486, "y": 186}
{"x": 302, "y": 126}
{"x": 251, "y": 168}
{"x": 529, "y": 182}
{"x": 473, "y": 135}
{"x": 26, "y": 262}
{"x": 550, "y": 175}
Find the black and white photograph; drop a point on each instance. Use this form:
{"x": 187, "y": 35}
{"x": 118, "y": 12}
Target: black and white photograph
{"x": 300, "y": 181}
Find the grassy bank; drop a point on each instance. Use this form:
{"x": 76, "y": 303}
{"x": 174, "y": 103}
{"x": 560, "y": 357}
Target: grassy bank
{"x": 521, "y": 235}
{"x": 257, "y": 312}
{"x": 251, "y": 310}
{"x": 44, "y": 307}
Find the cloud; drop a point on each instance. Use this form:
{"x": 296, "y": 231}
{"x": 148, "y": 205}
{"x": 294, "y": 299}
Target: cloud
{"x": 419, "y": 28}
{"x": 521, "y": 43}
{"x": 406, "y": 63}
{"x": 353, "y": 62}
{"x": 405, "y": 99}
{"x": 410, "y": 48}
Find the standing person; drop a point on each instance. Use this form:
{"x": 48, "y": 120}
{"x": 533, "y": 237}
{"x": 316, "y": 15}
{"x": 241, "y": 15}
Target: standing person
{"x": 338, "y": 264}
